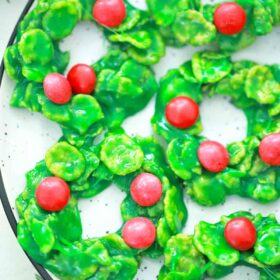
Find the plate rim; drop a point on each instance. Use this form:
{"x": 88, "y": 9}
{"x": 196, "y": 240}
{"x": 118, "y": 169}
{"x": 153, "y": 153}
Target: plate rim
{"x": 3, "y": 194}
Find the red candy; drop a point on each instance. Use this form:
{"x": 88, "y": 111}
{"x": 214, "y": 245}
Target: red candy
{"x": 213, "y": 156}
{"x": 230, "y": 18}
{"x": 53, "y": 194}
{"x": 146, "y": 189}
{"x": 57, "y": 88}
{"x": 82, "y": 78}
{"x": 139, "y": 233}
{"x": 240, "y": 234}
{"x": 269, "y": 149}
{"x": 109, "y": 13}
{"x": 182, "y": 112}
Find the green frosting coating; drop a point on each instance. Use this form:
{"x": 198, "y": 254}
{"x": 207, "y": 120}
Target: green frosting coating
{"x": 268, "y": 244}
{"x": 65, "y": 161}
{"x": 209, "y": 239}
{"x": 36, "y": 47}
{"x": 182, "y": 259}
{"x": 61, "y": 18}
{"x": 207, "y": 253}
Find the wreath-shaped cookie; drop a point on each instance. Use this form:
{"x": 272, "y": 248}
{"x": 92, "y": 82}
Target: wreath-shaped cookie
{"x": 209, "y": 171}
{"x": 117, "y": 96}
{"x": 97, "y": 99}
{"x": 214, "y": 250}
{"x": 50, "y": 228}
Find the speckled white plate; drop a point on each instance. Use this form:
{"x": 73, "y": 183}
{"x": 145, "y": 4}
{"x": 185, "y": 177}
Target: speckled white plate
{"x": 25, "y": 137}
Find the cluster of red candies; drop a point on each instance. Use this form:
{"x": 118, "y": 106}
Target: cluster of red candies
{"x": 182, "y": 112}
{"x": 53, "y": 195}
{"x": 140, "y": 232}
{"x": 81, "y": 79}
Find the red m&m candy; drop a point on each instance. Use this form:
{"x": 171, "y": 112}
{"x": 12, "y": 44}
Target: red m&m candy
{"x": 230, "y": 18}
{"x": 82, "y": 78}
{"x": 139, "y": 233}
{"x": 182, "y": 112}
{"x": 109, "y": 13}
{"x": 57, "y": 88}
{"x": 240, "y": 234}
{"x": 269, "y": 149}
{"x": 146, "y": 189}
{"x": 52, "y": 194}
{"x": 213, "y": 156}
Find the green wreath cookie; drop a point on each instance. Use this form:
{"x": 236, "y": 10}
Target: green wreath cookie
{"x": 50, "y": 228}
{"x": 35, "y": 55}
{"x": 216, "y": 249}
{"x": 210, "y": 172}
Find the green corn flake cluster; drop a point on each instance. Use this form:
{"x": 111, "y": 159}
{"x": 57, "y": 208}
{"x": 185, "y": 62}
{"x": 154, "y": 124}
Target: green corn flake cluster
{"x": 125, "y": 85}
{"x": 139, "y": 36}
{"x": 117, "y": 152}
{"x": 206, "y": 253}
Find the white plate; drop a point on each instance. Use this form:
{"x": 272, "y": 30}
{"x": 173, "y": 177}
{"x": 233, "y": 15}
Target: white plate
{"x": 25, "y": 137}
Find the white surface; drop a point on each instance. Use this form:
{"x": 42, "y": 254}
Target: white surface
{"x": 24, "y": 138}
{"x": 14, "y": 264}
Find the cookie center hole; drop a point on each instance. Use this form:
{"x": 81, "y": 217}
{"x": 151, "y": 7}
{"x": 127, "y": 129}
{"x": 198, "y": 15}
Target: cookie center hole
{"x": 222, "y": 121}
{"x": 101, "y": 215}
{"x": 139, "y": 4}
{"x": 86, "y": 44}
